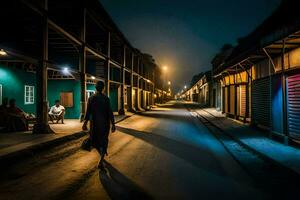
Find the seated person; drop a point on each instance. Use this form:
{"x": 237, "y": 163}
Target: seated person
{"x": 3, "y": 113}
{"x": 16, "y": 120}
{"x": 57, "y": 112}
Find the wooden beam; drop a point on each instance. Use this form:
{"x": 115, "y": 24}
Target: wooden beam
{"x": 96, "y": 53}
{"x": 64, "y": 33}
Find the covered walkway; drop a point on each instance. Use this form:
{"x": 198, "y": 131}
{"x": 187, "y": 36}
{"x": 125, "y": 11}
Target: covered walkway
{"x": 257, "y": 140}
{"x": 12, "y": 143}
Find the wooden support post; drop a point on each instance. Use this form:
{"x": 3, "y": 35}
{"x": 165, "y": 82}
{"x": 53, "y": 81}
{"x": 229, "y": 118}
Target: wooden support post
{"x": 153, "y": 86}
{"x": 122, "y": 110}
{"x": 247, "y": 98}
{"x": 42, "y": 125}
{"x": 235, "y": 97}
{"x": 130, "y": 94}
{"x": 107, "y": 84}
{"x": 284, "y": 95}
{"x": 82, "y": 71}
{"x": 138, "y": 105}
{"x": 82, "y": 67}
{"x": 138, "y": 99}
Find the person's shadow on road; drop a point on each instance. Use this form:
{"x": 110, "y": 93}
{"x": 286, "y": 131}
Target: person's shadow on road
{"x": 119, "y": 186}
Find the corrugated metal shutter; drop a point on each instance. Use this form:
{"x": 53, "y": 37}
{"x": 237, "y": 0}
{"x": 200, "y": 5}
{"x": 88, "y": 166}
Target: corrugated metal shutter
{"x": 294, "y": 106}
{"x": 226, "y": 100}
{"x": 277, "y": 104}
{"x": 249, "y": 103}
{"x": 232, "y": 99}
{"x": 261, "y": 102}
{"x": 242, "y": 99}
{"x": 238, "y": 100}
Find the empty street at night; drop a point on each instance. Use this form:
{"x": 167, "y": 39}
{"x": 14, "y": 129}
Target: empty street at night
{"x": 166, "y": 153}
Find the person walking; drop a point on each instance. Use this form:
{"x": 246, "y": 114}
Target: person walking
{"x": 101, "y": 118}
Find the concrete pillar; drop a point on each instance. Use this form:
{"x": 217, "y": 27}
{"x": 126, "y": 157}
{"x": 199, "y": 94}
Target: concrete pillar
{"x": 42, "y": 125}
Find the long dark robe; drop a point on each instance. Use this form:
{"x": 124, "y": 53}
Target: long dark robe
{"x": 100, "y": 115}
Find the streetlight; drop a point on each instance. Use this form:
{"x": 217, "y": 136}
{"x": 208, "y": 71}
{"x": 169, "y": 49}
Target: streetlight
{"x": 185, "y": 87}
{"x": 169, "y": 82}
{"x": 165, "y": 68}
{"x": 2, "y": 53}
{"x": 66, "y": 71}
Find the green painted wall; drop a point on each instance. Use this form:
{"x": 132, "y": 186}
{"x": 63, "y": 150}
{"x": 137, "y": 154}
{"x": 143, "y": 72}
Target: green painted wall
{"x": 13, "y": 83}
{"x": 113, "y": 97}
{"x": 115, "y": 74}
{"x": 90, "y": 87}
{"x": 55, "y": 87}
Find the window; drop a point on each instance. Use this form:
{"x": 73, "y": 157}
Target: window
{"x": 1, "y": 94}
{"x": 89, "y": 93}
{"x": 66, "y": 99}
{"x": 29, "y": 94}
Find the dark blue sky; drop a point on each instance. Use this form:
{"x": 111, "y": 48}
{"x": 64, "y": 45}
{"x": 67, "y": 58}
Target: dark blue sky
{"x": 186, "y": 34}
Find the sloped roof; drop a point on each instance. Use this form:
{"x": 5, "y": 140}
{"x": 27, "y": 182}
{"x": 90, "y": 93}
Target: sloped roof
{"x": 285, "y": 20}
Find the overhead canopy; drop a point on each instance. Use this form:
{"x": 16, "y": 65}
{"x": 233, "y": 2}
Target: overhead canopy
{"x": 282, "y": 25}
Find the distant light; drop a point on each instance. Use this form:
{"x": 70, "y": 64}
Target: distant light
{"x": 93, "y": 77}
{"x": 165, "y": 68}
{"x": 2, "y": 53}
{"x": 169, "y": 82}
{"x": 66, "y": 70}
{"x": 185, "y": 87}
{"x": 148, "y": 81}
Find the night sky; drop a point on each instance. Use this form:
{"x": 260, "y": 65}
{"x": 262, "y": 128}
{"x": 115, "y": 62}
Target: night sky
{"x": 186, "y": 34}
